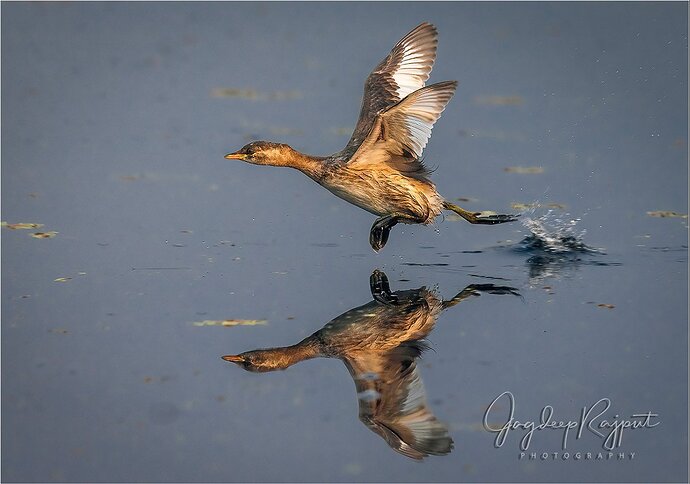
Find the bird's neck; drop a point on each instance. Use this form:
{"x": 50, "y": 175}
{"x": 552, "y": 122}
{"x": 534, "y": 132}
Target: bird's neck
{"x": 312, "y": 166}
{"x": 287, "y": 356}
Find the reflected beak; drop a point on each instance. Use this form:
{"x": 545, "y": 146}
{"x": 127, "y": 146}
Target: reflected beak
{"x": 233, "y": 358}
{"x": 236, "y": 156}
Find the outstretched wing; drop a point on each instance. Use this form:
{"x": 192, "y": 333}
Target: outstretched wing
{"x": 402, "y": 72}
{"x": 400, "y": 134}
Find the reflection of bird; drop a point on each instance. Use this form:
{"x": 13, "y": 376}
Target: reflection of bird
{"x": 379, "y": 343}
{"x": 381, "y": 169}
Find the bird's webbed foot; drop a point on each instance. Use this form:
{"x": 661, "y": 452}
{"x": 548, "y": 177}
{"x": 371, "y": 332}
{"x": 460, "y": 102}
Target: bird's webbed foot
{"x": 476, "y": 289}
{"x": 380, "y": 289}
{"x": 378, "y": 236}
{"x": 491, "y": 218}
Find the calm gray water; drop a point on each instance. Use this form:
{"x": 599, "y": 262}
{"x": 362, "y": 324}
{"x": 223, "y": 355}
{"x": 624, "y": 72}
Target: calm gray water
{"x": 115, "y": 120}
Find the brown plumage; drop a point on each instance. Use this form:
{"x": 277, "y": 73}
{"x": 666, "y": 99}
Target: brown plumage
{"x": 379, "y": 343}
{"x": 380, "y": 169}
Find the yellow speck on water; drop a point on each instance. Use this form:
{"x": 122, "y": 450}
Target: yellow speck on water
{"x": 500, "y": 100}
{"x": 130, "y": 177}
{"x": 524, "y": 206}
{"x": 353, "y": 468}
{"x": 341, "y": 131}
{"x": 667, "y": 213}
{"x": 234, "y": 92}
{"x": 21, "y": 226}
{"x": 44, "y": 235}
{"x": 254, "y": 95}
{"x": 62, "y": 279}
{"x": 524, "y": 170}
{"x": 530, "y": 206}
{"x": 230, "y": 322}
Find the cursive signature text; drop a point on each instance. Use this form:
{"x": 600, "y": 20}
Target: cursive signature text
{"x": 590, "y": 420}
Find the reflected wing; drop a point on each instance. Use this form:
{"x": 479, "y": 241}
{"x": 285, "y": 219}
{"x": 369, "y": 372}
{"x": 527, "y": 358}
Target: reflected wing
{"x": 392, "y": 402}
{"x": 402, "y": 72}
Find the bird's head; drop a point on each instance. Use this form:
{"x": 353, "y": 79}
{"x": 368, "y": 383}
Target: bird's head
{"x": 258, "y": 360}
{"x": 263, "y": 153}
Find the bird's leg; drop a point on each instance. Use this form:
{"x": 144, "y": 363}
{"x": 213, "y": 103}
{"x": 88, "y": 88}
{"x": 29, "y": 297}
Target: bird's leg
{"x": 476, "y": 289}
{"x": 378, "y": 236}
{"x": 380, "y": 289}
{"x": 486, "y": 217}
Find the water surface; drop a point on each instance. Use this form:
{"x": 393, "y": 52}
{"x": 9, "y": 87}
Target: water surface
{"x": 115, "y": 120}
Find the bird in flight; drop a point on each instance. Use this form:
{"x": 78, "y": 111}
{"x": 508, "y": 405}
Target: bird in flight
{"x": 381, "y": 169}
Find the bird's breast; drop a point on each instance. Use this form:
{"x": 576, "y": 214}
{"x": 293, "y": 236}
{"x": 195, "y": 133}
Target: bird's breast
{"x": 385, "y": 192}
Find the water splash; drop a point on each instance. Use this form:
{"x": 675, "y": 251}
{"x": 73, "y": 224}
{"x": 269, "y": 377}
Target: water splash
{"x": 554, "y": 235}
{"x": 556, "y": 247}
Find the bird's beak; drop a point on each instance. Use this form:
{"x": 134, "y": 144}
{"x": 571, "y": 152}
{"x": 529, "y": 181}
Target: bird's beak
{"x": 233, "y": 358}
{"x": 236, "y": 156}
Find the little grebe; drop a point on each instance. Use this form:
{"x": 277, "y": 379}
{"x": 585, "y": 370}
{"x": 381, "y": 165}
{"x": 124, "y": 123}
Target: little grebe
{"x": 381, "y": 169}
{"x": 380, "y": 343}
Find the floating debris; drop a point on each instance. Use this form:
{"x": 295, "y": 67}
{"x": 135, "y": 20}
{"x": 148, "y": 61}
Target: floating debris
{"x": 230, "y": 322}
{"x": 234, "y": 92}
{"x": 607, "y": 306}
{"x": 524, "y": 170}
{"x": 44, "y": 235}
{"x": 254, "y": 95}
{"x": 342, "y": 131}
{"x": 667, "y": 214}
{"x": 21, "y": 226}
{"x": 62, "y": 279}
{"x": 524, "y": 206}
{"x": 499, "y": 100}
{"x": 130, "y": 178}
{"x": 557, "y": 206}
{"x": 535, "y": 205}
